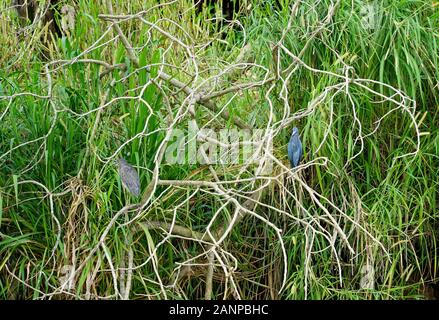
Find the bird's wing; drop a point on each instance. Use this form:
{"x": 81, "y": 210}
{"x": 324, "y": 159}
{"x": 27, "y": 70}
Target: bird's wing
{"x": 294, "y": 151}
{"x": 132, "y": 181}
{"x": 291, "y": 153}
{"x": 297, "y": 156}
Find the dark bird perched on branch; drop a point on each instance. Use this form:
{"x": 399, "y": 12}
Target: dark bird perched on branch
{"x": 295, "y": 148}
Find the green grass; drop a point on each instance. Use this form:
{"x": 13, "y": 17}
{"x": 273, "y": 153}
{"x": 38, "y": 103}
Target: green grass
{"x": 59, "y": 188}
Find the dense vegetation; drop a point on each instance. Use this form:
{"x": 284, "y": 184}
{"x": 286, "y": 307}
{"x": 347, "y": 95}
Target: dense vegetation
{"x": 356, "y": 220}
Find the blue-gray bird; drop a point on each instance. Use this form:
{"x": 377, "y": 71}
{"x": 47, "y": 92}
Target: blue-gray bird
{"x": 295, "y": 148}
{"x": 129, "y": 177}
